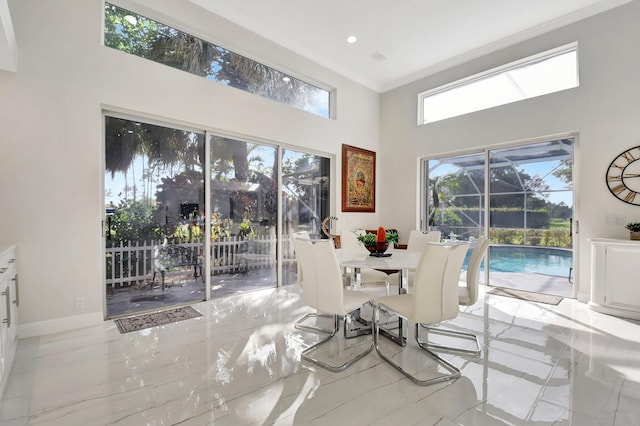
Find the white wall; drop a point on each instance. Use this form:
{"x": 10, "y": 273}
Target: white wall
{"x": 51, "y": 145}
{"x": 604, "y": 110}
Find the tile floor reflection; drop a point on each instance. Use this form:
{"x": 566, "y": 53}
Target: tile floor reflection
{"x": 240, "y": 364}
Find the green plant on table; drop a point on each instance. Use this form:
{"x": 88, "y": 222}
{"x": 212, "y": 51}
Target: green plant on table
{"x": 368, "y": 239}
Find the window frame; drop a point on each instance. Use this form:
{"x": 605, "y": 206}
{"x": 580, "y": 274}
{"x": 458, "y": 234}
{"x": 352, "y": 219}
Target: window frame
{"x": 311, "y": 108}
{"x": 502, "y": 69}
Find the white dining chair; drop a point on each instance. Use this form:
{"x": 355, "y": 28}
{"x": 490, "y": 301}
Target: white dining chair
{"x": 467, "y": 296}
{"x": 417, "y": 242}
{"x": 434, "y": 299}
{"x": 323, "y": 290}
{"x": 468, "y": 291}
{"x": 302, "y": 323}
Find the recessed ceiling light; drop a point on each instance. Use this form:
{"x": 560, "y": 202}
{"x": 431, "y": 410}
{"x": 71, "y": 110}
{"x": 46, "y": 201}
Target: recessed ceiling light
{"x": 352, "y": 39}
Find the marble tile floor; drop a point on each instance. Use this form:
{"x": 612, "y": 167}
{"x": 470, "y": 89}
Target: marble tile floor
{"x": 239, "y": 364}
{"x": 181, "y": 290}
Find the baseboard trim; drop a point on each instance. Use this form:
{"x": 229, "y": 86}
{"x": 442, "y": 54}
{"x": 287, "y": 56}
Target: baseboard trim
{"x": 583, "y": 296}
{"x": 40, "y": 328}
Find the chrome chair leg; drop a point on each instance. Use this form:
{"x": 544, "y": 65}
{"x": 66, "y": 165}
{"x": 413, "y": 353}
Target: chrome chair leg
{"x": 298, "y": 324}
{"x": 454, "y": 372}
{"x": 355, "y": 325}
{"x": 453, "y": 333}
{"x": 335, "y": 368}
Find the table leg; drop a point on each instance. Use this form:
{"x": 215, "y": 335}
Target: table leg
{"x": 357, "y": 279}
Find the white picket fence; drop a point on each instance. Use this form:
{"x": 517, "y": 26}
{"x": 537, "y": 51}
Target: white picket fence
{"x": 135, "y": 262}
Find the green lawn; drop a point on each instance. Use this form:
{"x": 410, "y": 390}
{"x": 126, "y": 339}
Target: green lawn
{"x": 559, "y": 223}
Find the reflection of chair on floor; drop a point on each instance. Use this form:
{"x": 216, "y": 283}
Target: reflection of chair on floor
{"x": 323, "y": 290}
{"x": 467, "y": 296}
{"x": 434, "y": 299}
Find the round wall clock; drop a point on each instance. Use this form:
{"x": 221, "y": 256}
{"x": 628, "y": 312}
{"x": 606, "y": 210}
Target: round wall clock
{"x": 623, "y": 176}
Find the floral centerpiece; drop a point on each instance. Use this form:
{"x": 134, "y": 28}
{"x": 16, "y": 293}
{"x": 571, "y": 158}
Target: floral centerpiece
{"x": 378, "y": 243}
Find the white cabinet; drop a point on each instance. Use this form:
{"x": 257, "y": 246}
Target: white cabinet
{"x": 9, "y": 301}
{"x": 615, "y": 281}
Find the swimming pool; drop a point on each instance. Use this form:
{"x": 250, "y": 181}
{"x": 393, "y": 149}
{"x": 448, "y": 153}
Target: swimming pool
{"x": 527, "y": 259}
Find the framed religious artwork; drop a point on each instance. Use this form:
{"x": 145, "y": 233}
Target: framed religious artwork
{"x": 358, "y": 179}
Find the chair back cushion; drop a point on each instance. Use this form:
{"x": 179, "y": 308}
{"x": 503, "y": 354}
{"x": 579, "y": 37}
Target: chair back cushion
{"x": 322, "y": 278}
{"x": 435, "y": 286}
{"x": 473, "y": 269}
{"x": 418, "y": 240}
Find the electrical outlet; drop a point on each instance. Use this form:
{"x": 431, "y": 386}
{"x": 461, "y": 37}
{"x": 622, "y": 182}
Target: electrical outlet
{"x": 79, "y": 302}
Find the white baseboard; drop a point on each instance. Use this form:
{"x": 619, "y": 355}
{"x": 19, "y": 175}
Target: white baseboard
{"x": 583, "y": 296}
{"x": 58, "y": 325}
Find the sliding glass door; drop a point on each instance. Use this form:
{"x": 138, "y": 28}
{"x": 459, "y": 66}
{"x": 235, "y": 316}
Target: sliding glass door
{"x": 305, "y": 193}
{"x": 154, "y": 198}
{"x": 529, "y": 209}
{"x": 187, "y": 208}
{"x": 244, "y": 212}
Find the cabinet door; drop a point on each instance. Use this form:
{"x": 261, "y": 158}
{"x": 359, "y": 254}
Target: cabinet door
{"x": 13, "y": 314}
{"x": 621, "y": 282}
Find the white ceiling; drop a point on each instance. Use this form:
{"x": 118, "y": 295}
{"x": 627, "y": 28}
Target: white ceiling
{"x": 400, "y": 40}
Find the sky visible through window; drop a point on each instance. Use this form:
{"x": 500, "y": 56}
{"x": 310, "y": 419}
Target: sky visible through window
{"x": 558, "y": 190}
{"x": 538, "y": 77}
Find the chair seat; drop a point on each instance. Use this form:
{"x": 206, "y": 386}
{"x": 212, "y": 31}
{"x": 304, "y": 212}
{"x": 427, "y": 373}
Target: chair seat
{"x": 352, "y": 301}
{"x": 402, "y": 304}
{"x": 368, "y": 275}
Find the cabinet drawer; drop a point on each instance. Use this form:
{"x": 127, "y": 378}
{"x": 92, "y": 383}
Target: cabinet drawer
{"x": 7, "y": 264}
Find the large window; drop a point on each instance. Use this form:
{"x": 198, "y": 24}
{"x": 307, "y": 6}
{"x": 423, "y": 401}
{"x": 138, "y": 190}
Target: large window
{"x": 187, "y": 208}
{"x": 548, "y": 72}
{"x": 521, "y": 197}
{"x": 149, "y": 39}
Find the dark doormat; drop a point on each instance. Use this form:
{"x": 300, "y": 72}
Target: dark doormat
{"x": 154, "y": 319}
{"x": 526, "y": 295}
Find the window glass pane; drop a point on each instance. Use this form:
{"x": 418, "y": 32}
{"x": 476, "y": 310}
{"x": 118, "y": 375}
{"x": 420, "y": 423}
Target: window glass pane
{"x": 305, "y": 200}
{"x": 243, "y": 213}
{"x": 154, "y": 195}
{"x": 456, "y": 195}
{"x": 531, "y": 194}
{"x": 144, "y": 37}
{"x": 561, "y": 69}
{"x": 536, "y": 77}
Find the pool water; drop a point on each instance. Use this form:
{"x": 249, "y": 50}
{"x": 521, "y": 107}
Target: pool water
{"x": 537, "y": 260}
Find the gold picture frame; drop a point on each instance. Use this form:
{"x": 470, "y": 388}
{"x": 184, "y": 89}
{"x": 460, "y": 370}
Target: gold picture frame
{"x": 358, "y": 180}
